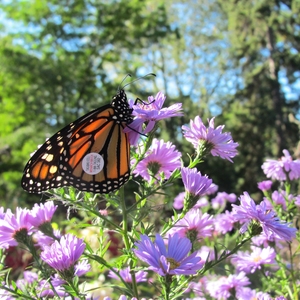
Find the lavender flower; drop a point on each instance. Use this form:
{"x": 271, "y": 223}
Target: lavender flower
{"x": 63, "y": 255}
{"x": 210, "y": 139}
{"x": 195, "y": 186}
{"x": 45, "y": 240}
{"x": 221, "y": 199}
{"x": 140, "y": 276}
{"x": 282, "y": 169}
{"x": 194, "y": 182}
{"x": 14, "y": 229}
{"x": 247, "y": 294}
{"x": 249, "y": 263}
{"x": 279, "y": 198}
{"x": 179, "y": 201}
{"x": 249, "y": 213}
{"x": 45, "y": 290}
{"x": 194, "y": 225}
{"x": 224, "y": 222}
{"x": 225, "y": 287}
{"x": 161, "y": 158}
{"x": 171, "y": 261}
{"x": 42, "y": 213}
{"x": 150, "y": 112}
{"x": 264, "y": 185}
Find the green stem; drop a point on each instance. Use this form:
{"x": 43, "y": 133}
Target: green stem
{"x": 126, "y": 239}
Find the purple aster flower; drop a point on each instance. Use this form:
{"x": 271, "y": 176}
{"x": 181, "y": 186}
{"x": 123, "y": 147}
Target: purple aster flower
{"x": 150, "y": 112}
{"x": 14, "y": 228}
{"x": 179, "y": 200}
{"x": 226, "y": 287}
{"x": 140, "y": 276}
{"x": 221, "y": 199}
{"x": 210, "y": 139}
{"x": 63, "y": 255}
{"x": 297, "y": 200}
{"x": 42, "y": 213}
{"x": 199, "y": 287}
{"x": 264, "y": 240}
{"x": 195, "y": 186}
{"x": 171, "y": 260}
{"x": 160, "y": 158}
{"x": 249, "y": 263}
{"x": 279, "y": 198}
{"x": 207, "y": 253}
{"x": 45, "y": 240}
{"x": 29, "y": 278}
{"x": 212, "y": 189}
{"x": 264, "y": 185}
{"x": 224, "y": 222}
{"x": 194, "y": 182}
{"x": 279, "y": 169}
{"x": 6, "y": 295}
{"x": 194, "y": 225}
{"x": 248, "y": 294}
{"x": 82, "y": 267}
{"x": 45, "y": 290}
{"x": 249, "y": 213}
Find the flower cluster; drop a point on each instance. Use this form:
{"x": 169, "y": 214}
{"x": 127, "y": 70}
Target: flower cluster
{"x": 189, "y": 243}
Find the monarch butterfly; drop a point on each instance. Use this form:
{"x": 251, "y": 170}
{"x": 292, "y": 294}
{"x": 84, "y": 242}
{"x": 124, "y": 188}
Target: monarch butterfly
{"x": 91, "y": 154}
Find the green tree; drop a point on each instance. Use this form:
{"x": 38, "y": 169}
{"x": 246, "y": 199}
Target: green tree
{"x": 57, "y": 61}
{"x": 264, "y": 46}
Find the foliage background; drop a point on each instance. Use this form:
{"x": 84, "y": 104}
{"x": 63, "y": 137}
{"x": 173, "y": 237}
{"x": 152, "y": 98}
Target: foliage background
{"x": 237, "y": 60}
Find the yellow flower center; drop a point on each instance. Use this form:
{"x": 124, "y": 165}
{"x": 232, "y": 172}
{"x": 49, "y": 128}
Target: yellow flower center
{"x": 173, "y": 263}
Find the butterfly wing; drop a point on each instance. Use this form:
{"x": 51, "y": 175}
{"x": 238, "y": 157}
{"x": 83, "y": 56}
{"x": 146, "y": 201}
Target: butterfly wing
{"x": 91, "y": 154}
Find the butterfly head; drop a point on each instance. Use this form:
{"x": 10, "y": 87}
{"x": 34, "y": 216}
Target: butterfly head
{"x": 121, "y": 106}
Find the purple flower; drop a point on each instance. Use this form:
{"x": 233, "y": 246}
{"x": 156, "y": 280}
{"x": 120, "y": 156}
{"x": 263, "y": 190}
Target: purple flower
{"x": 279, "y": 169}
{"x": 210, "y": 139}
{"x": 225, "y": 287}
{"x": 194, "y": 225}
{"x": 81, "y": 267}
{"x": 297, "y": 200}
{"x": 264, "y": 185}
{"x": 172, "y": 261}
{"x": 140, "y": 276}
{"x": 150, "y": 112}
{"x": 14, "y": 228}
{"x": 262, "y": 239}
{"x": 279, "y": 198}
{"x": 194, "y": 182}
{"x": 221, "y": 199}
{"x": 42, "y": 213}
{"x": 45, "y": 240}
{"x": 224, "y": 222}
{"x": 179, "y": 201}
{"x": 29, "y": 278}
{"x": 248, "y": 294}
{"x": 63, "y": 255}
{"x": 249, "y": 213}
{"x": 45, "y": 290}
{"x": 249, "y": 263}
{"x": 207, "y": 253}
{"x": 160, "y": 158}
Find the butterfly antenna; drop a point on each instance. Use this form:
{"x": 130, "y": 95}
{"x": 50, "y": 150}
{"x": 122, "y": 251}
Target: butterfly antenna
{"x": 127, "y": 75}
{"x": 139, "y": 78}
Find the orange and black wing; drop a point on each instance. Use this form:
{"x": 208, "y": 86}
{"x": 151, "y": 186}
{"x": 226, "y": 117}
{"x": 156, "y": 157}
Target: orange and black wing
{"x": 91, "y": 154}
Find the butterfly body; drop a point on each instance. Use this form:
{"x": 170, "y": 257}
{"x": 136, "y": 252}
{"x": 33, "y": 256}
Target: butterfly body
{"x": 91, "y": 154}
